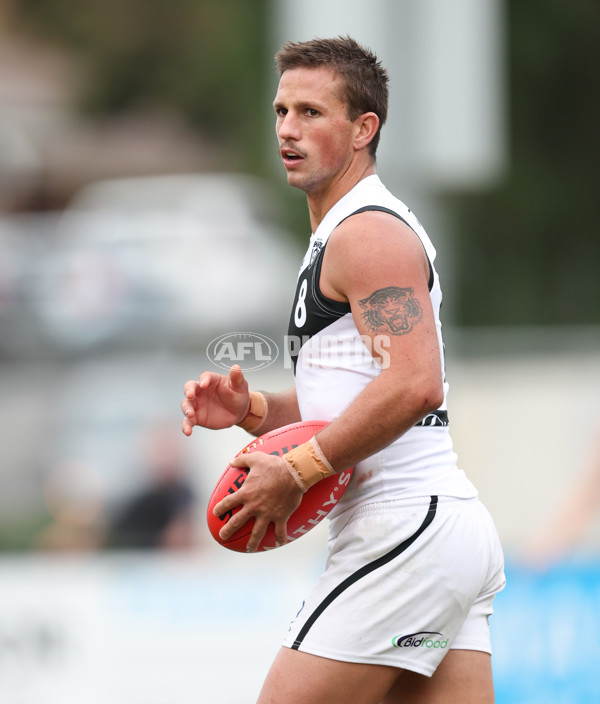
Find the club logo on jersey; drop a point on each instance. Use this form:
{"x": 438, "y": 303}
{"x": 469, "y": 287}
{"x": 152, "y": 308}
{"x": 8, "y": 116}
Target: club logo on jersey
{"x": 314, "y": 252}
{"x": 250, "y": 350}
{"x": 421, "y": 639}
{"x": 391, "y": 309}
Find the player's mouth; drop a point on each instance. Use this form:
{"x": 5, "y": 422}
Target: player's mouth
{"x": 290, "y": 157}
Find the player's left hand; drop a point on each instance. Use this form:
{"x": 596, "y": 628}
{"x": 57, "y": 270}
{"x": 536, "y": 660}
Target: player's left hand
{"x": 269, "y": 495}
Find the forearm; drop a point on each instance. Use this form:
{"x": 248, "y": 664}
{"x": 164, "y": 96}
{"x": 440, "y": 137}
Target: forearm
{"x": 281, "y": 409}
{"x": 380, "y": 414}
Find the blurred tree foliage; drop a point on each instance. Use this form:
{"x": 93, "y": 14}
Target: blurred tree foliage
{"x": 528, "y": 251}
{"x": 202, "y": 57}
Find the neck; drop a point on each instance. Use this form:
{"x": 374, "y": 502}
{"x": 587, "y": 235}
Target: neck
{"x": 321, "y": 202}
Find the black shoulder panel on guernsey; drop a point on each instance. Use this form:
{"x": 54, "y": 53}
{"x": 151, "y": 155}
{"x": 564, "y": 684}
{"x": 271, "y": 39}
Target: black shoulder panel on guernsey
{"x": 311, "y": 310}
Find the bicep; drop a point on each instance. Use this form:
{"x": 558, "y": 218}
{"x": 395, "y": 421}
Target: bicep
{"x": 397, "y": 323}
{"x": 382, "y": 270}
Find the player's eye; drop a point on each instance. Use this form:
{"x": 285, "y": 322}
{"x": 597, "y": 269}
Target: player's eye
{"x": 281, "y": 112}
{"x": 311, "y": 112}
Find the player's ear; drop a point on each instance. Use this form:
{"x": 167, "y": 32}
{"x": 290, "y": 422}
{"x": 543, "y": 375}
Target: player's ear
{"x": 367, "y": 126}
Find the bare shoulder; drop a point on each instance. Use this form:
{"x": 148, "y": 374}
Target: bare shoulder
{"x": 373, "y": 225}
{"x": 372, "y": 248}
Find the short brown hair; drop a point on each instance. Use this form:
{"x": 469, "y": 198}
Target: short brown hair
{"x": 366, "y": 81}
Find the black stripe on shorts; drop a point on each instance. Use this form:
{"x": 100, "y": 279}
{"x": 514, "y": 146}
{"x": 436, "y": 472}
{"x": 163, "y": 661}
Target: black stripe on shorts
{"x": 363, "y": 571}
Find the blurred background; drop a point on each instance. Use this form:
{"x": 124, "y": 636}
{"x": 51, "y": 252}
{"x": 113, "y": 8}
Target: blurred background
{"x": 143, "y": 213}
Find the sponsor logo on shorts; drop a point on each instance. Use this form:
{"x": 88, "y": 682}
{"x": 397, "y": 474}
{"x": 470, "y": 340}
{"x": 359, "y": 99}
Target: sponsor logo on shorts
{"x": 422, "y": 639}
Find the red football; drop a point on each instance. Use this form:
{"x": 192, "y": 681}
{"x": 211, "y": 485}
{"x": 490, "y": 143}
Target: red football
{"x": 316, "y": 503}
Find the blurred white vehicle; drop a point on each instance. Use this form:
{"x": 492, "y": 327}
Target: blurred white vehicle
{"x": 164, "y": 259}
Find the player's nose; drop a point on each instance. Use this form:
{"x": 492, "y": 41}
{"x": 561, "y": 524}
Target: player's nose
{"x": 288, "y": 128}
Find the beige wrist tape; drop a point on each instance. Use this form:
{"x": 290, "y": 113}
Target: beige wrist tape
{"x": 256, "y": 413}
{"x": 307, "y": 464}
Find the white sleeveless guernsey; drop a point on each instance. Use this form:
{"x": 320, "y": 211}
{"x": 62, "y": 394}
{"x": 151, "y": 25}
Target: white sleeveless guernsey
{"x": 333, "y": 365}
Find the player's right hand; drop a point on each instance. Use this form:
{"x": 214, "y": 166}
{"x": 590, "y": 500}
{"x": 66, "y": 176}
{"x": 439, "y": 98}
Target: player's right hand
{"x": 215, "y": 401}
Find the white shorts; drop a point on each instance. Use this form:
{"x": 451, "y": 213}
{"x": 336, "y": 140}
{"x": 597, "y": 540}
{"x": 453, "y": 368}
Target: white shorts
{"x": 405, "y": 582}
